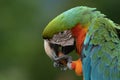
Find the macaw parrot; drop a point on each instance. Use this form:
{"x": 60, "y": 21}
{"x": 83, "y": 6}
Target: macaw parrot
{"x": 95, "y": 38}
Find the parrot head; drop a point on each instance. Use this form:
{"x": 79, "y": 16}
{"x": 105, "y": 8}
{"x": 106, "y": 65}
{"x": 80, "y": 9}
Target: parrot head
{"x": 67, "y": 32}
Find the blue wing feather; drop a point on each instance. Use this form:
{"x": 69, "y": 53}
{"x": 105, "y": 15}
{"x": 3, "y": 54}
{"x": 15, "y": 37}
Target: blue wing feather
{"x": 94, "y": 68}
{"x": 101, "y": 60}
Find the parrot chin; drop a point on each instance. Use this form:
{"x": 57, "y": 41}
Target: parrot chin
{"x": 58, "y": 54}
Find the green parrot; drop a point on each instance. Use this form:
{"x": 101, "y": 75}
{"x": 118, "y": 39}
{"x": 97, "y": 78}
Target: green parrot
{"x": 95, "y": 38}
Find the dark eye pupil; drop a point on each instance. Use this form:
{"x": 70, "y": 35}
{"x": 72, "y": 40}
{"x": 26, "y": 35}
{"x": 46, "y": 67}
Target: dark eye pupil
{"x": 62, "y": 32}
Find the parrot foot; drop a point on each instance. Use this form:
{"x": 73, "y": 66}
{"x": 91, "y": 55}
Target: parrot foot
{"x": 62, "y": 61}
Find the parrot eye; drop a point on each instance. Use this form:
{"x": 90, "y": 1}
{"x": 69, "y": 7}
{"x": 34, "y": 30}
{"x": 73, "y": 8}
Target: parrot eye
{"x": 64, "y": 38}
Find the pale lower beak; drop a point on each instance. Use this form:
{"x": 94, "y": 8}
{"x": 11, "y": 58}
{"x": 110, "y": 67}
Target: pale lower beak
{"x": 49, "y": 51}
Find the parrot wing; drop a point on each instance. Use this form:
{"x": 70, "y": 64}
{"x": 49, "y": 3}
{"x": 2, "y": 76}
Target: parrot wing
{"x": 101, "y": 51}
{"x": 118, "y": 30}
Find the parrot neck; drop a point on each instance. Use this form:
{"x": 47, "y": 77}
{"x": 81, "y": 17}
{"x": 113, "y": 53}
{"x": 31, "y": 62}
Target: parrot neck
{"x": 79, "y": 33}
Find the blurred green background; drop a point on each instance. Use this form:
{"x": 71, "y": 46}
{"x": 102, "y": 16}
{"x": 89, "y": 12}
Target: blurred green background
{"x": 22, "y": 55}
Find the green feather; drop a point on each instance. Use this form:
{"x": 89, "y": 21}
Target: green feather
{"x": 67, "y": 20}
{"x": 104, "y": 33}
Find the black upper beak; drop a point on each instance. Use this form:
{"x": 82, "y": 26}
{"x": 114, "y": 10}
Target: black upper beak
{"x": 59, "y": 54}
{"x": 55, "y": 50}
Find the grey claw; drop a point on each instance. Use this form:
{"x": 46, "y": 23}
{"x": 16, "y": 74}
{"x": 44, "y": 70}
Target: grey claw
{"x": 64, "y": 68}
{"x": 61, "y": 66}
{"x": 55, "y": 64}
{"x": 69, "y": 59}
{"x": 69, "y": 65}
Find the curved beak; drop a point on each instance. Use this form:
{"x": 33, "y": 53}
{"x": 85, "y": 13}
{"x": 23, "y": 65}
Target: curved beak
{"x": 49, "y": 51}
{"x": 57, "y": 54}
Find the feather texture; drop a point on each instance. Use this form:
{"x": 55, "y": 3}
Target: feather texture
{"x": 102, "y": 51}
{"x": 101, "y": 48}
{"x": 70, "y": 18}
